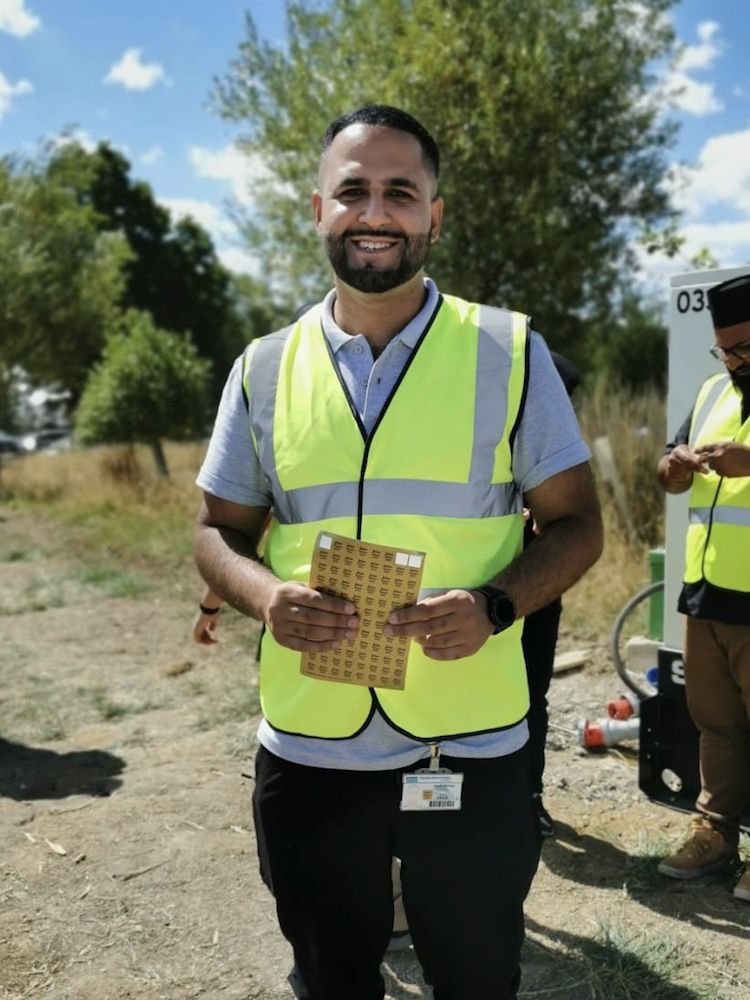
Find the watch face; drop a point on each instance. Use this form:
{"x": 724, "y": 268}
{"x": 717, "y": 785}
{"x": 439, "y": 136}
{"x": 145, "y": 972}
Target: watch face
{"x": 502, "y": 611}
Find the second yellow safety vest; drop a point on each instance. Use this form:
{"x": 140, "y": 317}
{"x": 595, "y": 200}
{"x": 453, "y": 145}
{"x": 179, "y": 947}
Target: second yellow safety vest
{"x": 718, "y": 538}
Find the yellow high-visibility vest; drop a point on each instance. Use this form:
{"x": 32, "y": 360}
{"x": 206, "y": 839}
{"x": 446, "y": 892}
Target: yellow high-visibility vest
{"x": 718, "y": 537}
{"x": 434, "y": 475}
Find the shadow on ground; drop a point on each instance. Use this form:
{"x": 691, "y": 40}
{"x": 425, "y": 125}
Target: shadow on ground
{"x": 589, "y": 860}
{"x": 569, "y": 965}
{"x": 37, "y": 773}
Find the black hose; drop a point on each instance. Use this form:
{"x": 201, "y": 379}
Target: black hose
{"x": 620, "y": 667}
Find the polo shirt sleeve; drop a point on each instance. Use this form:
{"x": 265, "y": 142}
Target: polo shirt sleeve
{"x": 231, "y": 469}
{"x": 548, "y": 439}
{"x": 682, "y": 436}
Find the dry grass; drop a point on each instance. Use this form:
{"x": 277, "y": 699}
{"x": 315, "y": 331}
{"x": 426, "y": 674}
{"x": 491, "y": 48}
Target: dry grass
{"x": 635, "y": 426}
{"x": 113, "y": 500}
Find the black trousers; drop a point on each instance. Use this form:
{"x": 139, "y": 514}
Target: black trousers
{"x": 326, "y": 838}
{"x": 539, "y": 639}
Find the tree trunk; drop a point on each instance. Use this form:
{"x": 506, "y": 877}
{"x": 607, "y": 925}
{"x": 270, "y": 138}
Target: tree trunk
{"x": 160, "y": 459}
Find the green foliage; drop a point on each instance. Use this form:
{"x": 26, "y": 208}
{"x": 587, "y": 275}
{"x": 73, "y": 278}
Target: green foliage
{"x": 552, "y": 139}
{"x": 633, "y": 353}
{"x": 173, "y": 271}
{"x": 150, "y": 384}
{"x": 7, "y": 398}
{"x": 60, "y": 279}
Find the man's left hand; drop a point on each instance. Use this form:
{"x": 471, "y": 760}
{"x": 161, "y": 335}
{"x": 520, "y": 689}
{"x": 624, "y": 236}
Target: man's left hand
{"x": 447, "y": 626}
{"x": 728, "y": 458}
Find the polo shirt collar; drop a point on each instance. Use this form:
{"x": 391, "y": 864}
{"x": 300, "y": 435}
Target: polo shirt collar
{"x": 410, "y": 334}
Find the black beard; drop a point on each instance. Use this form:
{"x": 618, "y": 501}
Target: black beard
{"x": 369, "y": 278}
{"x": 741, "y": 380}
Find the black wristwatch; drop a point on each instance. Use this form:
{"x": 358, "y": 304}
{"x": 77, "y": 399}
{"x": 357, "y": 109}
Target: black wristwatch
{"x": 501, "y": 610}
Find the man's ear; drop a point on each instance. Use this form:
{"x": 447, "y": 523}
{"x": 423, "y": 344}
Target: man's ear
{"x": 436, "y": 211}
{"x": 317, "y": 206}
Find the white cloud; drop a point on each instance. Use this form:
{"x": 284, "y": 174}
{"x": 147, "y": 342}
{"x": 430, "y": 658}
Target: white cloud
{"x": 710, "y": 46}
{"x": 152, "y": 155}
{"x": 133, "y": 74}
{"x": 239, "y": 261}
{"x": 8, "y": 91}
{"x": 682, "y": 90}
{"x": 714, "y": 195}
{"x": 689, "y": 95}
{"x": 720, "y": 176}
{"x": 729, "y": 242}
{"x": 16, "y": 19}
{"x": 228, "y": 164}
{"x": 205, "y": 213}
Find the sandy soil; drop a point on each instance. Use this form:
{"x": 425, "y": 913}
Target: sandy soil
{"x": 128, "y": 858}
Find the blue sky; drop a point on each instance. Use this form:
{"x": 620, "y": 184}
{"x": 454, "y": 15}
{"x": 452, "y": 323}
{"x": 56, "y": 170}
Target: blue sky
{"x": 138, "y": 73}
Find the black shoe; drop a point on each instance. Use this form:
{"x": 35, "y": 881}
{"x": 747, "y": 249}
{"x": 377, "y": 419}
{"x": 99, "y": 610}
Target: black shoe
{"x": 546, "y": 823}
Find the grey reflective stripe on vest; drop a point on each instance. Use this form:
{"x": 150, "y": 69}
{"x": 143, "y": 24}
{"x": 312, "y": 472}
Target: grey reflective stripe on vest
{"x": 494, "y": 359}
{"x": 400, "y": 496}
{"x": 265, "y": 362}
{"x": 699, "y": 418}
{"x": 477, "y": 498}
{"x": 721, "y": 515}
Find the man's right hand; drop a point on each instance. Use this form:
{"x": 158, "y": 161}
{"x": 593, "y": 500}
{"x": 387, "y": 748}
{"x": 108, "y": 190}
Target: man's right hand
{"x": 676, "y": 469}
{"x": 307, "y": 621}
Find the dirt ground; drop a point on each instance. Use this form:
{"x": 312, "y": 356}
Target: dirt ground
{"x": 127, "y": 862}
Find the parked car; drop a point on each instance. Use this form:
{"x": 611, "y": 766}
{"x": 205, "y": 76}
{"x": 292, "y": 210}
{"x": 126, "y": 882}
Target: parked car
{"x": 10, "y": 445}
{"x": 49, "y": 439}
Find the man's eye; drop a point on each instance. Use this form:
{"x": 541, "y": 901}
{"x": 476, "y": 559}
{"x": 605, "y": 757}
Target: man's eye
{"x": 401, "y": 195}
{"x": 351, "y": 193}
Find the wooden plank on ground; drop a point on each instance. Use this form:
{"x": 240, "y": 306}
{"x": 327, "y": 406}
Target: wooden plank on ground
{"x": 574, "y": 660}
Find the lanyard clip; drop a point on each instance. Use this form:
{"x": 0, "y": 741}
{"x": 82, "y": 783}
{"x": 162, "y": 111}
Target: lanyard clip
{"x": 434, "y": 757}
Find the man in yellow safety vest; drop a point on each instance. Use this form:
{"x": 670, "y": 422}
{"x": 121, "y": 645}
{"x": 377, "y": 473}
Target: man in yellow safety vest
{"x": 711, "y": 456}
{"x": 397, "y": 415}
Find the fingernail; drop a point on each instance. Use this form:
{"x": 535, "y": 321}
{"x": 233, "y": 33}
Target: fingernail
{"x": 387, "y": 630}
{"x": 349, "y": 609}
{"x": 352, "y": 623}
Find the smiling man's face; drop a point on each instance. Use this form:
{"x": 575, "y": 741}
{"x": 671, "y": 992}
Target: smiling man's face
{"x": 376, "y": 207}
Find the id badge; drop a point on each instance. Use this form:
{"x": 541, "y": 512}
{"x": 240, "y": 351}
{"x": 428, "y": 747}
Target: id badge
{"x": 435, "y": 790}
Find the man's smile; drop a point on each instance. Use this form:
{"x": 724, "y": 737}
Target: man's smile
{"x": 373, "y": 245}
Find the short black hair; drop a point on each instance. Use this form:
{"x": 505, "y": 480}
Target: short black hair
{"x": 387, "y": 117}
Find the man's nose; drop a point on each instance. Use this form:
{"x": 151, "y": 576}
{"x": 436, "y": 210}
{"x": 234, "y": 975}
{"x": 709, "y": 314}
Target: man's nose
{"x": 733, "y": 362}
{"x": 374, "y": 212}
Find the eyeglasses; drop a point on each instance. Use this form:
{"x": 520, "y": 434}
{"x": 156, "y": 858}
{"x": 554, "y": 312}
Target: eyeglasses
{"x": 741, "y": 352}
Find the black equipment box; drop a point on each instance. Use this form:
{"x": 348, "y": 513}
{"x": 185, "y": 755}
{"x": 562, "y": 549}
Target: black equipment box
{"x": 668, "y": 744}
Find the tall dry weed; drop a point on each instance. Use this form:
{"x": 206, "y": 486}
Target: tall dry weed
{"x": 635, "y": 425}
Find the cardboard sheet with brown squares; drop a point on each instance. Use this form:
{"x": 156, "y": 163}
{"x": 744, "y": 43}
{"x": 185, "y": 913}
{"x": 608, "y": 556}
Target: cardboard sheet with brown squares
{"x": 377, "y": 579}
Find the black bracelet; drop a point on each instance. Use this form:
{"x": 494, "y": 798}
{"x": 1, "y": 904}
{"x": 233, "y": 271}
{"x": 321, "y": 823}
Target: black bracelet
{"x": 209, "y": 611}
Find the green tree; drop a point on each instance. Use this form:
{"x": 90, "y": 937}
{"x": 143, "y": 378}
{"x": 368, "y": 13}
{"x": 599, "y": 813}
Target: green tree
{"x": 60, "y": 278}
{"x": 149, "y": 385}
{"x": 173, "y": 272}
{"x": 634, "y": 354}
{"x": 552, "y": 136}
